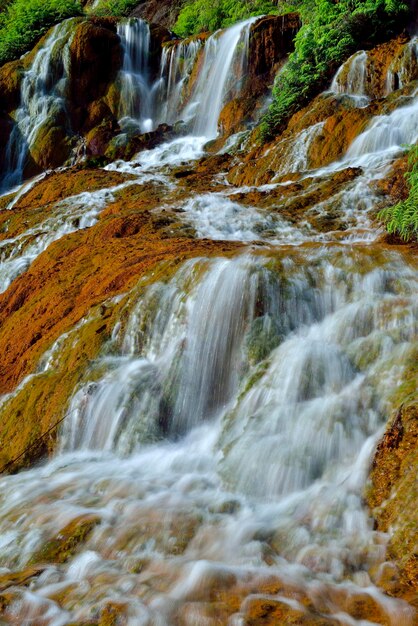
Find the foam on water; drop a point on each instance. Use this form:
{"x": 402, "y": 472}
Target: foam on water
{"x": 247, "y": 395}
{"x": 66, "y": 216}
{"x": 223, "y": 435}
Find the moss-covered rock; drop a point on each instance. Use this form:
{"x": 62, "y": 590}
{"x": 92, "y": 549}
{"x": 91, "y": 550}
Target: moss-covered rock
{"x": 96, "y": 56}
{"x": 10, "y": 79}
{"x": 393, "y": 494}
{"x": 67, "y": 541}
{"x": 51, "y": 148}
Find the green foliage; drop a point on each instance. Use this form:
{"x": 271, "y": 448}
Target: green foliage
{"x": 115, "y": 7}
{"x": 23, "y": 22}
{"x": 202, "y": 15}
{"x": 402, "y": 219}
{"x": 331, "y": 32}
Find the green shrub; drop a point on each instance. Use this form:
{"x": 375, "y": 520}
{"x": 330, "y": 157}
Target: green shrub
{"x": 115, "y": 7}
{"x": 24, "y": 21}
{"x": 202, "y": 15}
{"x": 331, "y": 32}
{"x": 402, "y": 219}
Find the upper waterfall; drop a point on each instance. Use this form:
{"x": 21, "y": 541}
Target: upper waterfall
{"x": 136, "y": 91}
{"x": 217, "y": 82}
{"x": 220, "y": 77}
{"x": 42, "y": 101}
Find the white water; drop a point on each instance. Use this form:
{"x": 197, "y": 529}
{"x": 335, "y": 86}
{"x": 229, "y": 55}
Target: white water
{"x": 223, "y": 436}
{"x": 149, "y": 103}
{"x": 223, "y": 52}
{"x": 43, "y": 92}
{"x": 351, "y": 78}
{"x": 136, "y": 91}
{"x": 263, "y": 387}
{"x": 66, "y": 216}
{"x": 177, "y": 63}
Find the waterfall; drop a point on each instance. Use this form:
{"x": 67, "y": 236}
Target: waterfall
{"x": 181, "y": 368}
{"x": 136, "y": 93}
{"x": 351, "y": 77}
{"x": 295, "y": 155}
{"x": 214, "y": 449}
{"x": 220, "y": 78}
{"x": 42, "y": 100}
{"x": 223, "y": 69}
{"x": 177, "y": 63}
{"x": 248, "y": 393}
{"x": 404, "y": 68}
{"x": 387, "y": 133}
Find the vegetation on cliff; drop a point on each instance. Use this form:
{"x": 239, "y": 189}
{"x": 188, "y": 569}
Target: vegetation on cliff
{"x": 23, "y": 22}
{"x": 331, "y": 32}
{"x": 115, "y": 7}
{"x": 198, "y": 16}
{"x": 402, "y": 218}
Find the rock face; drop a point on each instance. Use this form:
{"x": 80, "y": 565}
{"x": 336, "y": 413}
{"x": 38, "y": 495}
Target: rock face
{"x": 393, "y": 495}
{"x": 162, "y": 12}
{"x": 96, "y": 57}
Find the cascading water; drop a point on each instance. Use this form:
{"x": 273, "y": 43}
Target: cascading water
{"x": 351, "y": 77}
{"x": 404, "y": 68}
{"x": 136, "y": 92}
{"x": 177, "y": 63}
{"x": 148, "y": 103}
{"x": 223, "y": 69}
{"x": 182, "y": 368}
{"x": 276, "y": 376}
{"x": 218, "y": 447}
{"x": 43, "y": 92}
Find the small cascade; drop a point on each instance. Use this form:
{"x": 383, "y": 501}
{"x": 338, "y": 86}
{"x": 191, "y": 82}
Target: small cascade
{"x": 42, "y": 100}
{"x": 177, "y": 63}
{"x": 66, "y": 216}
{"x": 351, "y": 78}
{"x": 177, "y": 366}
{"x": 404, "y": 68}
{"x": 386, "y": 135}
{"x": 136, "y": 92}
{"x": 220, "y": 79}
{"x": 295, "y": 155}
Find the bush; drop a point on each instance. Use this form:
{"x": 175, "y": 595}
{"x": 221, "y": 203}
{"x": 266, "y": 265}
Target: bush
{"x": 402, "y": 219}
{"x": 331, "y": 32}
{"x": 202, "y": 15}
{"x": 115, "y": 7}
{"x": 23, "y": 22}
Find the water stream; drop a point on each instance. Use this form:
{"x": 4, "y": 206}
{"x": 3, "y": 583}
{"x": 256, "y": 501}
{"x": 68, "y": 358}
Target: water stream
{"x": 222, "y": 439}
{"x": 42, "y": 101}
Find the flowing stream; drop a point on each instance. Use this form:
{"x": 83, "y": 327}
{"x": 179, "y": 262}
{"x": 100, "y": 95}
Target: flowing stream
{"x": 220, "y": 444}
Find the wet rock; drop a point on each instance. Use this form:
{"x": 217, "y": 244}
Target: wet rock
{"x": 259, "y": 610}
{"x": 162, "y": 12}
{"x": 96, "y": 56}
{"x": 393, "y": 494}
{"x": 22, "y": 578}
{"x": 50, "y": 149}
{"x": 125, "y": 146}
{"x": 67, "y": 541}
{"x": 10, "y": 79}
